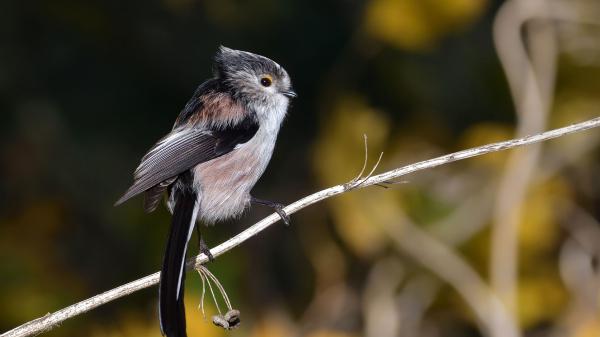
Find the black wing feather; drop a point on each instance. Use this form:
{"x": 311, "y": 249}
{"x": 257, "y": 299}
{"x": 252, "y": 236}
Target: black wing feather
{"x": 229, "y": 138}
{"x": 153, "y": 195}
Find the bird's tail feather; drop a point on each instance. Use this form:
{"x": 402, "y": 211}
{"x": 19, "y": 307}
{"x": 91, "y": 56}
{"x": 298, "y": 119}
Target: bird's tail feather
{"x": 172, "y": 276}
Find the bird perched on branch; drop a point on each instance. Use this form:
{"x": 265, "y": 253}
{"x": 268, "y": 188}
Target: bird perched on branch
{"x": 219, "y": 147}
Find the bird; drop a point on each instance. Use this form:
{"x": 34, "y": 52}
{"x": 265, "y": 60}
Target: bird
{"x": 219, "y": 146}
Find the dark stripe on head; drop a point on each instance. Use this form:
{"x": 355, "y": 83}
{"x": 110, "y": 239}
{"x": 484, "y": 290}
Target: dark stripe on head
{"x": 229, "y": 61}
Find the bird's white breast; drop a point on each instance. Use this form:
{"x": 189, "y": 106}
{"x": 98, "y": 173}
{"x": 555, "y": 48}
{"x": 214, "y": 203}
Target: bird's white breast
{"x": 224, "y": 184}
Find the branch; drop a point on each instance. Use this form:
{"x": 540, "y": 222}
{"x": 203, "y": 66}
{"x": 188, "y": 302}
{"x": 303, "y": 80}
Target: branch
{"x": 49, "y": 321}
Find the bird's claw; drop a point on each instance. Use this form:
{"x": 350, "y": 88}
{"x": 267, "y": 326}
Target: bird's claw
{"x": 277, "y": 207}
{"x": 284, "y": 217}
{"x": 206, "y": 251}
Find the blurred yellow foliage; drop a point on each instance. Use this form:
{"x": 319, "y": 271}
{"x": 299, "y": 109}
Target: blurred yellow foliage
{"x": 573, "y": 108}
{"x": 273, "y": 325}
{"x": 541, "y": 298}
{"x": 418, "y": 24}
{"x": 197, "y": 325}
{"x": 24, "y": 301}
{"x": 134, "y": 325}
{"x": 326, "y": 257}
{"x": 357, "y": 219}
{"x": 590, "y": 329}
{"x": 329, "y": 333}
{"x": 541, "y": 294}
{"x": 341, "y": 154}
{"x": 539, "y": 229}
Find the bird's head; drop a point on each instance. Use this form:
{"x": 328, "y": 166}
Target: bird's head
{"x": 253, "y": 78}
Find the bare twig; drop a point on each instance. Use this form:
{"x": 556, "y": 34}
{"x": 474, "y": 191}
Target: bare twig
{"x": 47, "y": 322}
{"x": 362, "y": 181}
{"x": 366, "y": 159}
{"x": 201, "y": 305}
{"x": 359, "y": 179}
{"x": 210, "y": 277}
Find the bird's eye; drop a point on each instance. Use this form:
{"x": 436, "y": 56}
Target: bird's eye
{"x": 266, "y": 81}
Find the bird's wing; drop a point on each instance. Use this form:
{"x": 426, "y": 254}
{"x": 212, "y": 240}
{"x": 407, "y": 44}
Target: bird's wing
{"x": 183, "y": 149}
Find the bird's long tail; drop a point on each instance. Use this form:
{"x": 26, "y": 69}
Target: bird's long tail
{"x": 172, "y": 276}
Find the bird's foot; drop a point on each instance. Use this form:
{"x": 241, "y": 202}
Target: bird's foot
{"x": 275, "y": 206}
{"x": 205, "y": 250}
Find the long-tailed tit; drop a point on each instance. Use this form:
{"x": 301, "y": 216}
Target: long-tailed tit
{"x": 219, "y": 147}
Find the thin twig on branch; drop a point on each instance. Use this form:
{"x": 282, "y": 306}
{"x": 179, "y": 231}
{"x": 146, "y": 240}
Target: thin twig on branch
{"x": 49, "y": 321}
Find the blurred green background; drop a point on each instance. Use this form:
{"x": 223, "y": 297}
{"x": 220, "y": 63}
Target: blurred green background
{"x": 86, "y": 87}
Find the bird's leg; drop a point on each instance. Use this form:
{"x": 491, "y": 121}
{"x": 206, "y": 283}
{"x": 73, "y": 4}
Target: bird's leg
{"x": 202, "y": 245}
{"x": 274, "y": 205}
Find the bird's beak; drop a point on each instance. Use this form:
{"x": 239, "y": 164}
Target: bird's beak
{"x": 289, "y": 93}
